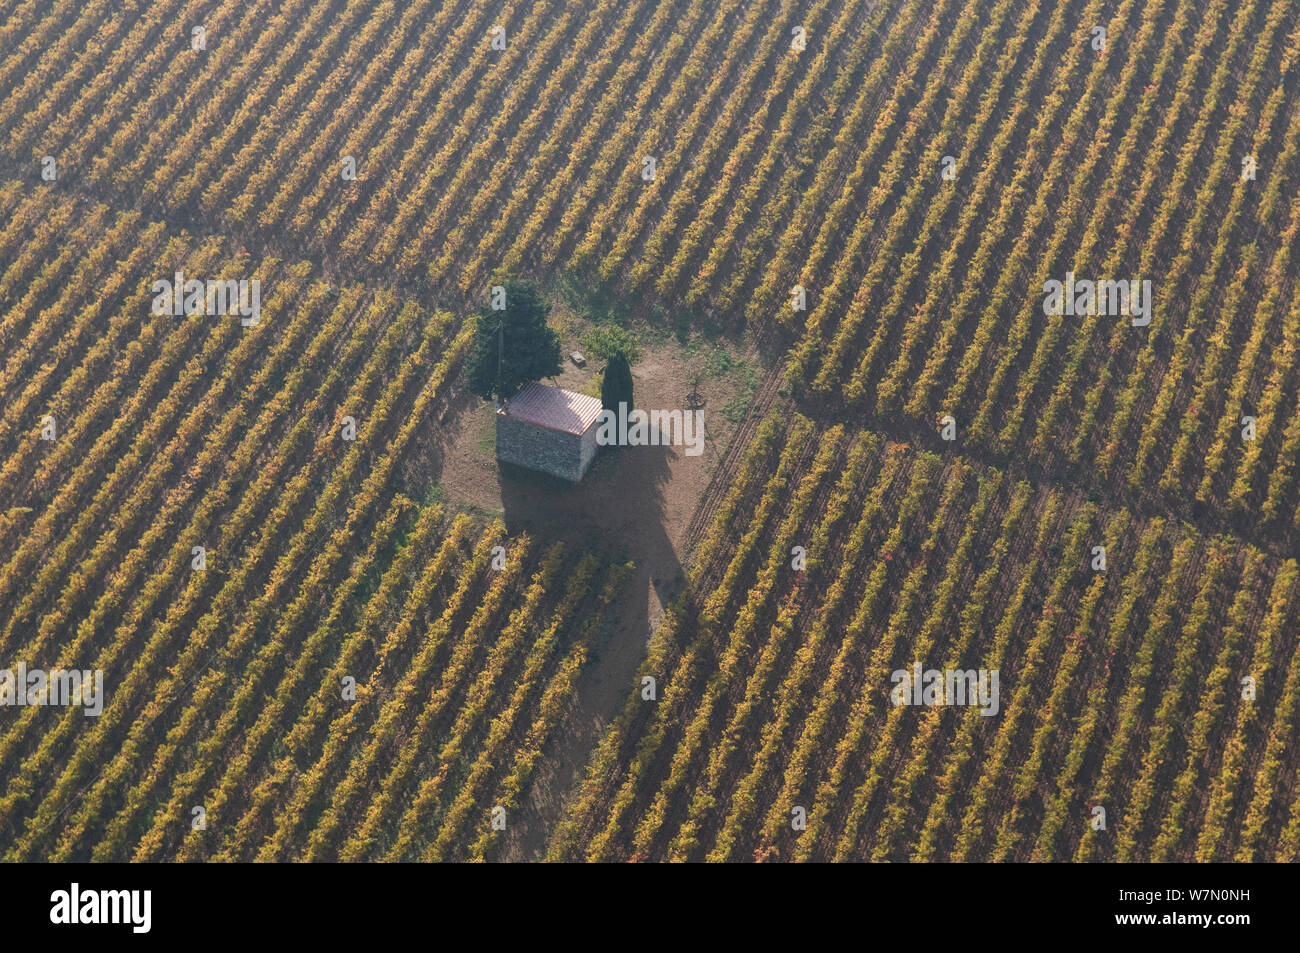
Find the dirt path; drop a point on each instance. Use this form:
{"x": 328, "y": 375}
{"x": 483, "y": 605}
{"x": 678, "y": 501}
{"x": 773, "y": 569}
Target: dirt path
{"x": 722, "y": 474}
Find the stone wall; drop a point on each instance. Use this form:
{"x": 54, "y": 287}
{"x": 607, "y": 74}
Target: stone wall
{"x": 560, "y": 454}
{"x": 589, "y": 446}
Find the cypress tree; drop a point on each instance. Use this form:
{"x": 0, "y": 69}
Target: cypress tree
{"x": 617, "y": 385}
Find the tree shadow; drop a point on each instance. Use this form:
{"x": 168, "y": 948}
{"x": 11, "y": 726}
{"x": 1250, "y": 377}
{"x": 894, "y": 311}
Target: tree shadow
{"x": 618, "y": 511}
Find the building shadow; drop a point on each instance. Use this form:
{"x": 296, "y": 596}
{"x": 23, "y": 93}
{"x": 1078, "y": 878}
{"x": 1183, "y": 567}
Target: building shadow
{"x": 617, "y": 511}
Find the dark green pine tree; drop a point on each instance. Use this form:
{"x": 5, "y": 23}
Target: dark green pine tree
{"x": 513, "y": 346}
{"x": 617, "y": 385}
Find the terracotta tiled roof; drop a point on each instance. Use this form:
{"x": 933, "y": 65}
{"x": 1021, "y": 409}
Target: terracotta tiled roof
{"x": 554, "y": 409}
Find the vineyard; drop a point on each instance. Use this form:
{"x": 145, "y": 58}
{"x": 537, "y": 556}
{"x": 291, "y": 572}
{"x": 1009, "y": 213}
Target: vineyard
{"x": 312, "y": 654}
{"x": 1119, "y": 687}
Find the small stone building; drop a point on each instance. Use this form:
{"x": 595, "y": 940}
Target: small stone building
{"x": 549, "y": 429}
